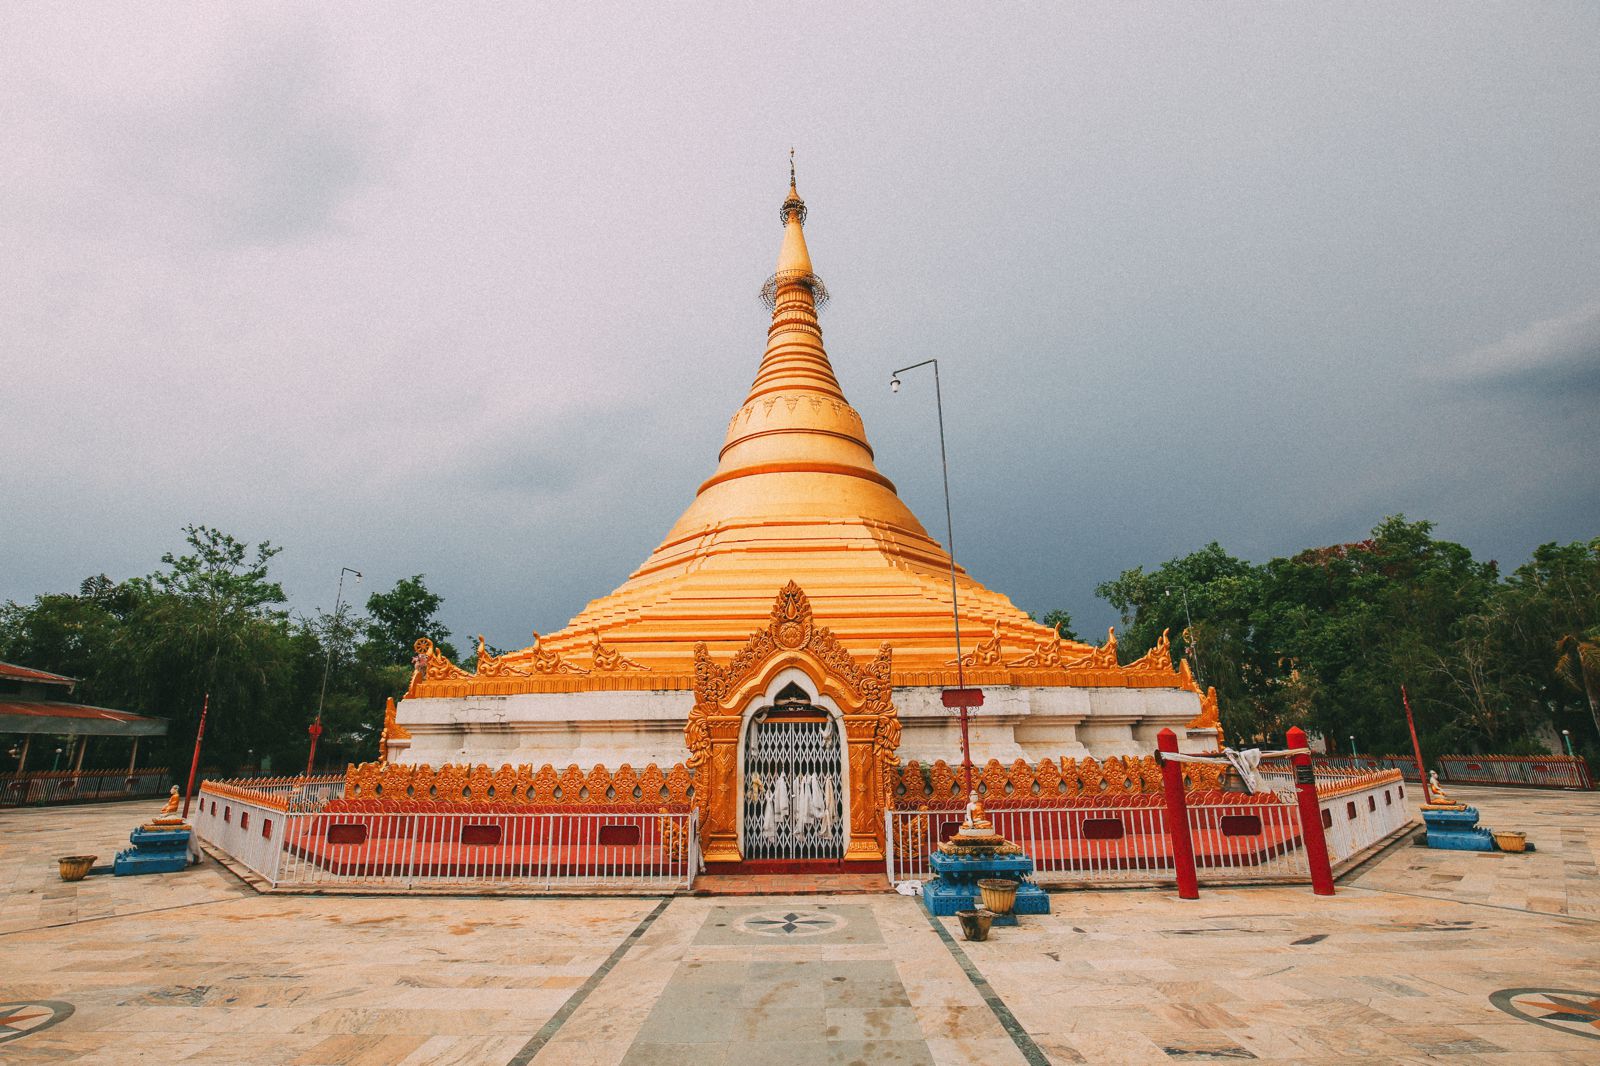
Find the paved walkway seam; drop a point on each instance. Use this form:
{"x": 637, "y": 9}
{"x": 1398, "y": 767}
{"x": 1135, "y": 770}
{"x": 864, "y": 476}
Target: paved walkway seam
{"x": 1008, "y": 1021}
{"x": 120, "y": 914}
{"x": 574, "y": 1001}
{"x": 1553, "y": 915}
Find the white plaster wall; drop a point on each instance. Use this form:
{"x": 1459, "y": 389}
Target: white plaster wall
{"x": 638, "y": 728}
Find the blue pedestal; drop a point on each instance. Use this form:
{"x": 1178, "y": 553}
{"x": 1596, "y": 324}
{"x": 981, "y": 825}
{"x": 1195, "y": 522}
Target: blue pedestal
{"x": 154, "y": 851}
{"x": 1457, "y": 831}
{"x": 956, "y": 886}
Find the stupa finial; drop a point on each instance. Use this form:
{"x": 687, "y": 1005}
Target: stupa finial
{"x": 794, "y": 261}
{"x": 793, "y": 206}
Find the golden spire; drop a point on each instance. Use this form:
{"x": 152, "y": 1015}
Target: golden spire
{"x": 794, "y": 261}
{"x": 796, "y": 496}
{"x": 795, "y": 417}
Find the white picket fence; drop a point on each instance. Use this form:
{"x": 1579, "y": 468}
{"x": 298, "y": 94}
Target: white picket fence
{"x": 467, "y": 851}
{"x": 1245, "y": 841}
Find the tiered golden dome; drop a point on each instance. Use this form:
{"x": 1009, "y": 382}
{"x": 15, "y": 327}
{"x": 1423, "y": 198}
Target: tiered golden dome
{"x": 797, "y": 497}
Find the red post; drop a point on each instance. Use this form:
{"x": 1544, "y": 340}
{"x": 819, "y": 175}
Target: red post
{"x": 1416, "y": 748}
{"x": 964, "y": 698}
{"x": 1305, "y": 787}
{"x": 1177, "y": 818}
{"x": 315, "y": 731}
{"x": 194, "y": 763}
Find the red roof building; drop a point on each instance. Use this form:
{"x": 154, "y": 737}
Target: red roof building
{"x": 31, "y": 704}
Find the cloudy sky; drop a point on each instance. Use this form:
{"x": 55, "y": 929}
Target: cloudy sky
{"x": 470, "y": 290}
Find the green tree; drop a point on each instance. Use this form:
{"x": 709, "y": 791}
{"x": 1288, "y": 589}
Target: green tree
{"x": 401, "y": 615}
{"x": 1360, "y": 619}
{"x": 1218, "y": 594}
{"x": 212, "y": 622}
{"x": 1552, "y": 603}
{"x": 1061, "y": 622}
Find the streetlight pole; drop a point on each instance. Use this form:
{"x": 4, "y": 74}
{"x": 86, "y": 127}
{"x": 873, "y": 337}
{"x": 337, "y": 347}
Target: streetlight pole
{"x": 1353, "y": 752}
{"x": 1566, "y": 736}
{"x": 962, "y": 699}
{"x": 338, "y": 605}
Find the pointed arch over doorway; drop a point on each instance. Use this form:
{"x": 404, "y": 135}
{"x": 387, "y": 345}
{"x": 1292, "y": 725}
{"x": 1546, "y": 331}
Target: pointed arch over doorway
{"x": 724, "y": 695}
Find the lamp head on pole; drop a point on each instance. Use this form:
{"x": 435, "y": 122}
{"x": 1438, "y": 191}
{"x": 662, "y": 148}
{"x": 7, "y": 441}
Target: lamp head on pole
{"x": 894, "y": 384}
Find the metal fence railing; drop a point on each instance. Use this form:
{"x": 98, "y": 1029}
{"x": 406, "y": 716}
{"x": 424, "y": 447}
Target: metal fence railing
{"x": 1234, "y": 838}
{"x": 469, "y": 850}
{"x": 1366, "y": 764}
{"x": 1122, "y": 844}
{"x": 1532, "y": 771}
{"x": 87, "y": 786}
{"x": 1093, "y": 843}
{"x": 1247, "y": 842}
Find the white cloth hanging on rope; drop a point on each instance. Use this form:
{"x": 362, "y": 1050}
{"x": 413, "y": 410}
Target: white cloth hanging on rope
{"x": 1246, "y": 762}
{"x": 802, "y": 803}
{"x": 813, "y": 803}
{"x": 780, "y": 801}
{"x": 830, "y": 803}
{"x": 769, "y": 818}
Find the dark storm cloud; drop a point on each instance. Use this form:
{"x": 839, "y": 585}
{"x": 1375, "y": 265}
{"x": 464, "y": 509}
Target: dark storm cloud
{"x": 470, "y": 291}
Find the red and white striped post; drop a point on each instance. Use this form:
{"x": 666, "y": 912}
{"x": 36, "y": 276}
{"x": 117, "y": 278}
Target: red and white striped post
{"x": 1177, "y": 818}
{"x": 1305, "y": 787}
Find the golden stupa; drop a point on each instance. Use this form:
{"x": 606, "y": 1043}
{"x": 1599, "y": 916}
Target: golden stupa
{"x": 795, "y": 499}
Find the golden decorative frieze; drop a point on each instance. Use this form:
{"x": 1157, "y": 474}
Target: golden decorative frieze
{"x": 986, "y": 655}
{"x": 1209, "y": 716}
{"x": 1158, "y": 660}
{"x": 1102, "y": 658}
{"x": 606, "y": 660}
{"x": 392, "y": 730}
{"x": 1046, "y": 654}
{"x": 429, "y": 665}
{"x": 525, "y": 663}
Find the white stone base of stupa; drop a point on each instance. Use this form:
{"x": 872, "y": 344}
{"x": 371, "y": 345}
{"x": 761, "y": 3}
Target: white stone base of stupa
{"x": 639, "y": 728}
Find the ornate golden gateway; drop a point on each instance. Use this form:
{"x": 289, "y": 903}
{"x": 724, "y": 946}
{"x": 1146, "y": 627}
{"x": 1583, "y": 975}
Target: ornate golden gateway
{"x": 723, "y": 694}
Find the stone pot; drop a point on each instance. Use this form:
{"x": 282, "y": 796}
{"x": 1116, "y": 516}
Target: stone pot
{"x": 975, "y": 924}
{"x": 1507, "y": 840}
{"x": 999, "y": 894}
{"x": 75, "y": 867}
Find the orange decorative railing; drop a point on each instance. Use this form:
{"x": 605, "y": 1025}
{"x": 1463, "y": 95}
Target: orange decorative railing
{"x": 916, "y": 785}
{"x": 520, "y": 785}
{"x": 279, "y": 793}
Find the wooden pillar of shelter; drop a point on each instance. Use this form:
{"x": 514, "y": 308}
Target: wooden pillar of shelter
{"x": 83, "y": 745}
{"x": 22, "y": 763}
{"x": 133, "y": 759}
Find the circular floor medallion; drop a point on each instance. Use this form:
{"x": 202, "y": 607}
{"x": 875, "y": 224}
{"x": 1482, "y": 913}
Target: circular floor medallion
{"x": 791, "y": 924}
{"x": 1566, "y": 1009}
{"x": 23, "y": 1018}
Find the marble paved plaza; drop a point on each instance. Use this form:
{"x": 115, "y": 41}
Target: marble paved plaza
{"x": 1421, "y": 957}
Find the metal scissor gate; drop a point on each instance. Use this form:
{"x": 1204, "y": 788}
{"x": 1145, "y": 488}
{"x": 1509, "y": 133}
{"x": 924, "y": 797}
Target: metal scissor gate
{"x": 793, "y": 787}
